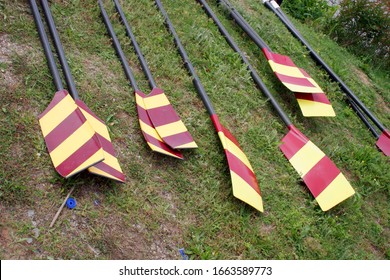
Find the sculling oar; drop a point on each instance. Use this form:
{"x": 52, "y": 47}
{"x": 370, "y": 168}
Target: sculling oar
{"x": 383, "y": 139}
{"x": 164, "y": 118}
{"x": 244, "y": 181}
{"x": 70, "y": 140}
{"x": 324, "y": 180}
{"x": 311, "y": 99}
{"x": 109, "y": 167}
{"x": 148, "y": 130}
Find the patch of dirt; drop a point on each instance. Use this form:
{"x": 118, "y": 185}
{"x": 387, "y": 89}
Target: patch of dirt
{"x": 362, "y": 76}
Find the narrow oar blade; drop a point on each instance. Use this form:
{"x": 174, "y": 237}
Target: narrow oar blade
{"x": 166, "y": 121}
{"x": 244, "y": 182}
{"x": 324, "y": 180}
{"x": 311, "y": 99}
{"x": 109, "y": 167}
{"x": 148, "y": 130}
{"x": 383, "y": 142}
{"x": 72, "y": 143}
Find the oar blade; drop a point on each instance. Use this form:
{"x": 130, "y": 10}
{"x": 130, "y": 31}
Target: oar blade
{"x": 244, "y": 182}
{"x": 155, "y": 142}
{"x": 324, "y": 180}
{"x": 166, "y": 121}
{"x": 72, "y": 143}
{"x": 109, "y": 167}
{"x": 383, "y": 142}
{"x": 311, "y": 99}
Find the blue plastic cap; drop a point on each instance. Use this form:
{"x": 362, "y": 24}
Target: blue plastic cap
{"x": 71, "y": 203}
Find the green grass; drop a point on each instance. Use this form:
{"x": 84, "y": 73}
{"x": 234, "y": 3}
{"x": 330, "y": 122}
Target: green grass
{"x": 167, "y": 204}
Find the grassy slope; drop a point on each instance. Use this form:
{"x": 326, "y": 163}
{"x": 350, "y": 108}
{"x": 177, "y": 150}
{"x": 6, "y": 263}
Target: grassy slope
{"x": 168, "y": 204}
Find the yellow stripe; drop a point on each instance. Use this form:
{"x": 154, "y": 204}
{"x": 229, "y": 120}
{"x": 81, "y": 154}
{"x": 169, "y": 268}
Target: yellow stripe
{"x": 335, "y": 192}
{"x": 97, "y": 125}
{"x": 314, "y": 83}
{"x": 149, "y": 130}
{"x": 71, "y": 144}
{"x": 315, "y": 109}
{"x": 222, "y": 138}
{"x": 171, "y": 129}
{"x": 306, "y": 158}
{"x": 187, "y": 146}
{"x": 231, "y": 147}
{"x": 140, "y": 101}
{"x": 286, "y": 70}
{"x": 243, "y": 191}
{"x": 156, "y": 101}
{"x": 95, "y": 158}
{"x": 57, "y": 114}
{"x": 109, "y": 160}
{"x": 157, "y": 149}
{"x": 303, "y": 89}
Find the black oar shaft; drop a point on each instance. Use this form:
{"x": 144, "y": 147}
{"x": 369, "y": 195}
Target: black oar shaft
{"x": 253, "y": 72}
{"x": 46, "y": 46}
{"x": 137, "y": 49}
{"x": 117, "y": 46}
{"x": 195, "y": 79}
{"x": 60, "y": 50}
{"x": 319, "y": 60}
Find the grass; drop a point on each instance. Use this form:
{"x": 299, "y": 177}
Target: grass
{"x": 167, "y": 204}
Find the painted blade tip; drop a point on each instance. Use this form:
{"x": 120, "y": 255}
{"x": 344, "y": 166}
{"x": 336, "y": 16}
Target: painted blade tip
{"x": 383, "y": 142}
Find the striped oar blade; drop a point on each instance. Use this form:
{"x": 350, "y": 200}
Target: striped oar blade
{"x": 324, "y": 180}
{"x": 148, "y": 130}
{"x": 71, "y": 141}
{"x": 243, "y": 178}
{"x": 167, "y": 123}
{"x": 109, "y": 167}
{"x": 383, "y": 142}
{"x": 311, "y": 99}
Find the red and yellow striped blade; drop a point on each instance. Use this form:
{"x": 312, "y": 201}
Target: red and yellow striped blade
{"x": 324, "y": 180}
{"x": 166, "y": 121}
{"x": 150, "y": 134}
{"x": 109, "y": 167}
{"x": 244, "y": 182}
{"x": 311, "y": 99}
{"x": 383, "y": 142}
{"x": 72, "y": 143}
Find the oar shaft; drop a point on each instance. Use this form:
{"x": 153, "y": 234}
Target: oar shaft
{"x": 253, "y": 72}
{"x": 46, "y": 46}
{"x": 319, "y": 60}
{"x": 117, "y": 46}
{"x": 60, "y": 50}
{"x": 137, "y": 49}
{"x": 195, "y": 79}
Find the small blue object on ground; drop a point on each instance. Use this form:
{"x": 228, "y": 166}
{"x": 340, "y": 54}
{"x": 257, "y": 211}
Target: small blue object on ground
{"x": 183, "y": 255}
{"x": 71, "y": 203}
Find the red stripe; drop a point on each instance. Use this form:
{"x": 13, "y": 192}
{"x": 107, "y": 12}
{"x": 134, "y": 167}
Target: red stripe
{"x": 293, "y": 142}
{"x": 161, "y": 145}
{"x": 108, "y": 169}
{"x": 316, "y": 97}
{"x": 278, "y": 58}
{"x": 217, "y": 124}
{"x": 58, "y": 96}
{"x": 106, "y": 145}
{"x": 155, "y": 91}
{"x": 321, "y": 175}
{"x": 178, "y": 139}
{"x": 236, "y": 165}
{"x": 62, "y": 131}
{"x": 163, "y": 115}
{"x": 143, "y": 116}
{"x": 85, "y": 108}
{"x": 383, "y": 142}
{"x": 79, "y": 157}
{"x": 295, "y": 81}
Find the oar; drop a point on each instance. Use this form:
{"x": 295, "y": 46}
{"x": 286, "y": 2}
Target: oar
{"x": 71, "y": 142}
{"x": 148, "y": 130}
{"x": 363, "y": 112}
{"x": 109, "y": 167}
{"x": 244, "y": 181}
{"x": 311, "y": 98}
{"x": 164, "y": 118}
{"x": 324, "y": 180}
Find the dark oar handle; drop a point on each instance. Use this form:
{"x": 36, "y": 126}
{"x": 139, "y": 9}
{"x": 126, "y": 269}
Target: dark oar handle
{"x": 141, "y": 58}
{"x": 60, "y": 50}
{"x": 244, "y": 25}
{"x": 253, "y": 72}
{"x": 318, "y": 59}
{"x": 195, "y": 79}
{"x": 117, "y": 46}
{"x": 46, "y": 46}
